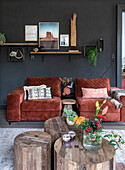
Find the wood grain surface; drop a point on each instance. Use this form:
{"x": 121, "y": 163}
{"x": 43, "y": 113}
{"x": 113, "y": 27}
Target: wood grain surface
{"x": 32, "y": 151}
{"x": 76, "y": 157}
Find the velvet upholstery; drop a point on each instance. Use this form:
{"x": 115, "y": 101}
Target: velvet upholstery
{"x": 86, "y": 106}
{"x": 91, "y": 83}
{"x": 53, "y": 82}
{"x": 38, "y": 109}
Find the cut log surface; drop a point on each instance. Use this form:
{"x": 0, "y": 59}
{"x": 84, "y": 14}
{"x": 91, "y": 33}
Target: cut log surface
{"x": 76, "y": 157}
{"x": 32, "y": 151}
{"x": 56, "y": 127}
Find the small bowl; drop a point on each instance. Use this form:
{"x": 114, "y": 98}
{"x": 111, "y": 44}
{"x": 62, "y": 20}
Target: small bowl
{"x": 66, "y": 137}
{"x": 72, "y": 135}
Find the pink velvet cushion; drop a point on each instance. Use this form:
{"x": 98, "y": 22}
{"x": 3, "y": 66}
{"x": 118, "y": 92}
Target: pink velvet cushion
{"x": 94, "y": 93}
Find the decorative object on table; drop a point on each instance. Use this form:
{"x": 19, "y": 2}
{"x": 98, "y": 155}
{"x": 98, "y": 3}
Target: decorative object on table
{"x": 64, "y": 40}
{"x": 90, "y": 51}
{"x": 100, "y": 45}
{"x": 70, "y": 115}
{"x": 2, "y": 39}
{"x": 68, "y": 83}
{"x": 31, "y": 33}
{"x": 16, "y": 54}
{"x": 92, "y": 138}
{"x": 73, "y": 30}
{"x": 35, "y": 49}
{"x": 66, "y": 140}
{"x": 72, "y": 135}
{"x": 49, "y": 35}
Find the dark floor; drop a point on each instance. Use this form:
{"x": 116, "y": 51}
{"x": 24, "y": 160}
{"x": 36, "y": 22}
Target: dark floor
{"x": 40, "y": 124}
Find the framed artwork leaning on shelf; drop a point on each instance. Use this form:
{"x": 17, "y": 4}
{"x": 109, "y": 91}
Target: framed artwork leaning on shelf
{"x": 31, "y": 32}
{"x": 64, "y": 40}
{"x": 49, "y": 35}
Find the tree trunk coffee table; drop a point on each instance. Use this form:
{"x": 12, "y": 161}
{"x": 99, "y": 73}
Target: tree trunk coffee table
{"x": 32, "y": 151}
{"x": 76, "y": 157}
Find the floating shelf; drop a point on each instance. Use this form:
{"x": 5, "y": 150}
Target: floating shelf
{"x": 19, "y": 44}
{"x": 56, "y": 52}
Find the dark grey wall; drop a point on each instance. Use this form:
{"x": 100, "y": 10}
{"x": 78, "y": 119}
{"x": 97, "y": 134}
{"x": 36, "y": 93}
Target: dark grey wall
{"x": 96, "y": 18}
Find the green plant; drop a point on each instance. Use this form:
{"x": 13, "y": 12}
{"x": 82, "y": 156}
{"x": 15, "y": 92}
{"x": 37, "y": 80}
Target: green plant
{"x": 2, "y": 38}
{"x": 92, "y": 55}
{"x": 69, "y": 113}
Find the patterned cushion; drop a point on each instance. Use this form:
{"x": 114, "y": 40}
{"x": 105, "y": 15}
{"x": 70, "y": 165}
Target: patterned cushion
{"x": 94, "y": 93}
{"x": 53, "y": 82}
{"x": 91, "y": 83}
{"x": 37, "y": 92}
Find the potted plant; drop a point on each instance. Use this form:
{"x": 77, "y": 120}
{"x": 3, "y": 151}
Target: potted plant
{"x": 2, "y": 39}
{"x": 70, "y": 115}
{"x": 92, "y": 55}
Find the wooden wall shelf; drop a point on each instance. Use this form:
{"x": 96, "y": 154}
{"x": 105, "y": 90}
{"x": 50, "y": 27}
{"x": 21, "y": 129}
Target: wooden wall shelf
{"x": 55, "y": 52}
{"x": 19, "y": 44}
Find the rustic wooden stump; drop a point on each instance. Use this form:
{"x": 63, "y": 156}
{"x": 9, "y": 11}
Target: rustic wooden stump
{"x": 56, "y": 127}
{"x": 77, "y": 157}
{"x": 32, "y": 151}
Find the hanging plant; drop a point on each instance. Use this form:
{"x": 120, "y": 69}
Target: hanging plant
{"x": 2, "y": 39}
{"x": 92, "y": 55}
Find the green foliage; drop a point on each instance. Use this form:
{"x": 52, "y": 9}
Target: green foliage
{"x": 69, "y": 113}
{"x": 92, "y": 55}
{"x": 2, "y": 38}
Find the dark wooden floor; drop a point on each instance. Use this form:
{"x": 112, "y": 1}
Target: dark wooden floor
{"x": 40, "y": 124}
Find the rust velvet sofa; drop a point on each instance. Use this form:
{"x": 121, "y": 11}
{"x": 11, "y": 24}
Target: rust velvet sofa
{"x": 19, "y": 109}
{"x": 86, "y": 106}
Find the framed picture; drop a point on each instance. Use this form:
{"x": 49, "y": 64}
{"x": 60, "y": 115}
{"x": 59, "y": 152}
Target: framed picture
{"x": 49, "y": 35}
{"x": 31, "y": 32}
{"x": 16, "y": 54}
{"x": 64, "y": 40}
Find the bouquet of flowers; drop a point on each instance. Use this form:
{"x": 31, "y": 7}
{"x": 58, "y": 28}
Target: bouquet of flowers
{"x": 93, "y": 128}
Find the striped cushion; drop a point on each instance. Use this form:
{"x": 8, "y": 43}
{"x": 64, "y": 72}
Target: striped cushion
{"x": 37, "y": 92}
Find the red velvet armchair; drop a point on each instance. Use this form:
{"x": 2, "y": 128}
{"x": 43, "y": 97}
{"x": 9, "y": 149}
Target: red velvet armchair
{"x": 86, "y": 106}
{"x": 19, "y": 109}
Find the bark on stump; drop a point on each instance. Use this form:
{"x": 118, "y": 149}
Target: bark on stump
{"x": 32, "y": 151}
{"x": 77, "y": 157}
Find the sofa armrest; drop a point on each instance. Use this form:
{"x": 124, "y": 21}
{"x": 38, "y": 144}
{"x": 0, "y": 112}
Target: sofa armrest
{"x": 122, "y": 110}
{"x": 14, "y": 100}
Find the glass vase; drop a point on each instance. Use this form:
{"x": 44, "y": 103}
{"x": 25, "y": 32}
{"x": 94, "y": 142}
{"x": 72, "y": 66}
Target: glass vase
{"x": 92, "y": 142}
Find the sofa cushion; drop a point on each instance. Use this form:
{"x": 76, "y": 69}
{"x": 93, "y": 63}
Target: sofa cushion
{"x": 88, "y": 104}
{"x": 91, "y": 83}
{"x": 53, "y": 82}
{"x": 94, "y": 93}
{"x": 53, "y": 104}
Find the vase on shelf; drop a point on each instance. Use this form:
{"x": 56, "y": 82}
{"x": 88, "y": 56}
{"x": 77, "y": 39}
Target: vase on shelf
{"x": 92, "y": 141}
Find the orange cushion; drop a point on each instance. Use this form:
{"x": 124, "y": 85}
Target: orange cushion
{"x": 91, "y": 83}
{"x": 88, "y": 104}
{"x": 37, "y": 105}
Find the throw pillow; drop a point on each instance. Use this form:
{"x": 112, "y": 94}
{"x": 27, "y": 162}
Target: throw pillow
{"x": 94, "y": 93}
{"x": 37, "y": 92}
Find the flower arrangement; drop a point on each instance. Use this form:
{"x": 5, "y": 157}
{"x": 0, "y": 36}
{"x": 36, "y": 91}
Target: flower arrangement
{"x": 70, "y": 114}
{"x": 94, "y": 128}
{"x": 66, "y": 81}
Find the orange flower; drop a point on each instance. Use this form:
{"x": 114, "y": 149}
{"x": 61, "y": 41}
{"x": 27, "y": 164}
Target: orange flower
{"x": 104, "y": 111}
{"x": 80, "y": 120}
{"x": 93, "y": 139}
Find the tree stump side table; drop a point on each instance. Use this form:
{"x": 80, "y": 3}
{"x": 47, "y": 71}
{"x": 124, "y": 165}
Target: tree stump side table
{"x": 77, "y": 157}
{"x": 32, "y": 151}
{"x": 68, "y": 103}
